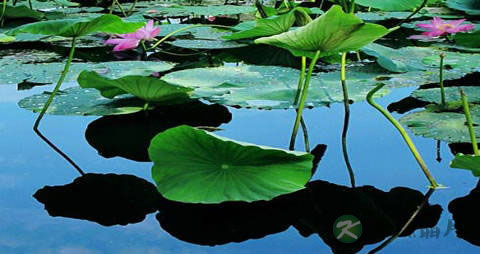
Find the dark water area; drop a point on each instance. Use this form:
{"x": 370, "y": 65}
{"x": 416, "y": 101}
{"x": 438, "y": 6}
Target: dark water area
{"x": 284, "y": 225}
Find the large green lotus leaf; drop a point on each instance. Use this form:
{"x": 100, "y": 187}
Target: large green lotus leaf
{"x": 471, "y": 7}
{"x": 331, "y": 33}
{"x": 207, "y": 44}
{"x": 212, "y": 10}
{"x": 21, "y": 11}
{"x": 469, "y": 162}
{"x": 451, "y": 94}
{"x": 194, "y": 166}
{"x": 82, "y": 102}
{"x": 15, "y": 72}
{"x": 446, "y": 126}
{"x": 79, "y": 27}
{"x": 146, "y": 88}
{"x": 471, "y": 40}
{"x": 391, "y": 5}
{"x": 270, "y": 87}
{"x": 266, "y": 27}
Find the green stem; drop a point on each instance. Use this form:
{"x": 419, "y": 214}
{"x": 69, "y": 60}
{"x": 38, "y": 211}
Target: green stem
{"x": 346, "y": 119}
{"x": 468, "y": 116}
{"x": 414, "y": 12}
{"x": 352, "y": 6}
{"x": 300, "y": 80}
{"x": 303, "y": 98}
{"x": 49, "y": 101}
{"x": 132, "y": 7}
{"x": 4, "y": 8}
{"x": 442, "y": 89}
{"x": 403, "y": 132}
{"x": 145, "y": 106}
{"x": 121, "y": 8}
{"x": 183, "y": 29}
{"x": 359, "y": 58}
{"x": 30, "y": 4}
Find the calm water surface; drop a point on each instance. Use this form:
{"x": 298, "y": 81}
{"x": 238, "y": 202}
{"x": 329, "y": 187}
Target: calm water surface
{"x": 377, "y": 152}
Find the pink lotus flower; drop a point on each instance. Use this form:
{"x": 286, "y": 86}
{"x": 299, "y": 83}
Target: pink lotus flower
{"x": 438, "y": 27}
{"x": 131, "y": 41}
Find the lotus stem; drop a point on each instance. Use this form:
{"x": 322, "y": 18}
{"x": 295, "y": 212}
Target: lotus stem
{"x": 50, "y": 100}
{"x": 403, "y": 132}
{"x": 405, "y": 226}
{"x": 359, "y": 58}
{"x": 132, "y": 7}
{"x": 183, "y": 29}
{"x": 442, "y": 89}
{"x": 346, "y": 119}
{"x": 352, "y": 6}
{"x": 303, "y": 98}
{"x": 30, "y": 4}
{"x": 301, "y": 80}
{"x": 468, "y": 116}
{"x": 424, "y": 3}
{"x": 260, "y": 9}
{"x": 4, "y": 8}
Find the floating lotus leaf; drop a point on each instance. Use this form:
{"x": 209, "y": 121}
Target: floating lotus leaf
{"x": 207, "y": 44}
{"x": 16, "y": 72}
{"x": 471, "y": 40}
{"x": 451, "y": 94}
{"x": 194, "y": 166}
{"x": 471, "y": 7}
{"x": 82, "y": 102}
{"x": 21, "y": 11}
{"x": 398, "y": 60}
{"x": 391, "y": 5}
{"x": 377, "y": 16}
{"x": 146, "y": 88}
{"x": 331, "y": 33}
{"x": 270, "y": 87}
{"x": 468, "y": 162}
{"x": 446, "y": 126}
{"x": 79, "y": 27}
{"x": 212, "y": 10}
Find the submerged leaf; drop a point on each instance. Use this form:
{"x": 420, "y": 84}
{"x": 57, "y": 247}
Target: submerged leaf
{"x": 194, "y": 166}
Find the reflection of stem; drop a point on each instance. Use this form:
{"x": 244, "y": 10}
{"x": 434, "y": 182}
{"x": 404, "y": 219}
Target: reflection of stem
{"x": 442, "y": 89}
{"x": 57, "y": 87}
{"x": 346, "y": 120}
{"x": 49, "y": 101}
{"x": 439, "y": 157}
{"x": 468, "y": 116}
{"x": 414, "y": 13}
{"x": 305, "y": 135}
{"x": 183, "y": 29}
{"x": 303, "y": 98}
{"x": 405, "y": 226}
{"x": 4, "y": 8}
{"x": 404, "y": 134}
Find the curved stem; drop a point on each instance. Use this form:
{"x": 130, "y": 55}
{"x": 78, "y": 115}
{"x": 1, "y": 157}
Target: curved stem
{"x": 403, "y": 132}
{"x": 346, "y": 120}
{"x": 4, "y": 8}
{"x": 442, "y": 89}
{"x": 50, "y": 100}
{"x": 132, "y": 7}
{"x": 183, "y": 29}
{"x": 468, "y": 116}
{"x": 405, "y": 226}
{"x": 414, "y": 12}
{"x": 303, "y": 98}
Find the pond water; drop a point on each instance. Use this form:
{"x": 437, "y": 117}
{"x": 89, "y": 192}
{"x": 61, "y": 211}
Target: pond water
{"x": 378, "y": 155}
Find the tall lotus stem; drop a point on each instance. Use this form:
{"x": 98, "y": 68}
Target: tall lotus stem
{"x": 442, "y": 89}
{"x": 468, "y": 116}
{"x": 50, "y": 100}
{"x": 346, "y": 119}
{"x": 403, "y": 132}
{"x": 4, "y": 8}
{"x": 132, "y": 7}
{"x": 424, "y": 3}
{"x": 303, "y": 98}
{"x": 352, "y": 6}
{"x": 301, "y": 80}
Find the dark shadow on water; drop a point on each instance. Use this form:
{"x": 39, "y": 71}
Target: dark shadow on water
{"x": 129, "y": 135}
{"x": 465, "y": 211}
{"x": 111, "y": 199}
